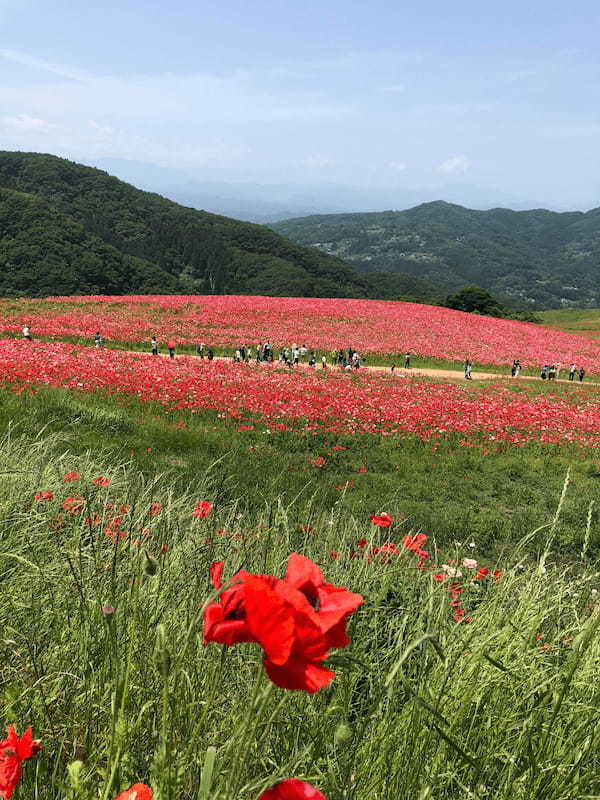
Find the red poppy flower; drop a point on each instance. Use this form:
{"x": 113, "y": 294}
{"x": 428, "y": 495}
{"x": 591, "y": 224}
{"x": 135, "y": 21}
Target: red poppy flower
{"x": 14, "y": 750}
{"x": 70, "y": 477}
{"x": 415, "y": 542}
{"x": 74, "y": 504}
{"x": 203, "y": 509}
{"x": 482, "y": 572}
{"x": 48, "y": 495}
{"x": 225, "y": 620}
{"x": 334, "y": 604}
{"x": 381, "y": 520}
{"x": 101, "y": 481}
{"x": 139, "y": 791}
{"x": 292, "y": 789}
{"x": 155, "y": 508}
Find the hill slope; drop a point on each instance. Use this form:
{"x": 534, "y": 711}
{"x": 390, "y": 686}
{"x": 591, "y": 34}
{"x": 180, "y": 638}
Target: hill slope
{"x": 542, "y": 258}
{"x": 66, "y": 228}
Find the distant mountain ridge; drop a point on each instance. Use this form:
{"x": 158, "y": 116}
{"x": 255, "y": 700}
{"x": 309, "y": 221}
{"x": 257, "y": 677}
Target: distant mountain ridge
{"x": 537, "y": 258}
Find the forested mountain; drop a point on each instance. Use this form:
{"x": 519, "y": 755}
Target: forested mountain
{"x": 66, "y": 228}
{"x": 537, "y": 258}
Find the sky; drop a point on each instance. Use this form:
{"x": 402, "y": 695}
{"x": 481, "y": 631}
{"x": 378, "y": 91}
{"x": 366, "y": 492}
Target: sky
{"x": 484, "y": 103}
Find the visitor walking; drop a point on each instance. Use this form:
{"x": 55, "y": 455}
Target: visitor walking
{"x": 572, "y": 371}
{"x": 154, "y": 345}
{"x": 407, "y": 361}
{"x": 210, "y": 355}
{"x": 581, "y": 375}
{"x": 171, "y": 346}
{"x": 323, "y": 362}
{"x": 200, "y": 351}
{"x": 98, "y": 340}
{"x": 27, "y": 333}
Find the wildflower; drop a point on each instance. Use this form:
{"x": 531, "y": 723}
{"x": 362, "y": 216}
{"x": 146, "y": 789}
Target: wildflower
{"x": 469, "y": 563}
{"x": 452, "y": 572}
{"x": 414, "y": 543}
{"x": 203, "y": 509}
{"x": 155, "y": 508}
{"x": 292, "y": 789}
{"x": 139, "y": 791}
{"x": 47, "y": 495}
{"x": 71, "y": 477}
{"x": 439, "y": 577}
{"x": 13, "y": 751}
{"x": 381, "y": 520}
{"x": 74, "y": 504}
{"x": 101, "y": 481}
{"x": 482, "y": 572}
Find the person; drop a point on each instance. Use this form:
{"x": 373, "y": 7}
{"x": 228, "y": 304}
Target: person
{"x": 466, "y": 368}
{"x": 313, "y": 359}
{"x": 210, "y": 355}
{"x": 407, "y": 361}
{"x": 581, "y": 375}
{"x": 323, "y": 362}
{"x": 154, "y": 345}
{"x": 393, "y": 368}
{"x": 469, "y": 371}
{"x": 98, "y": 339}
{"x": 572, "y": 371}
{"x": 200, "y": 350}
{"x": 551, "y": 372}
{"x": 303, "y": 352}
{"x": 544, "y": 371}
{"x": 171, "y": 346}
{"x": 27, "y": 333}
{"x": 517, "y": 368}
{"x": 513, "y": 369}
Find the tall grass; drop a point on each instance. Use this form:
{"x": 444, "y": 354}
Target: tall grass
{"x": 101, "y": 651}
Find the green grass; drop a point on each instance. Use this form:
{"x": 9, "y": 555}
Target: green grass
{"x": 503, "y": 708}
{"x": 573, "y": 320}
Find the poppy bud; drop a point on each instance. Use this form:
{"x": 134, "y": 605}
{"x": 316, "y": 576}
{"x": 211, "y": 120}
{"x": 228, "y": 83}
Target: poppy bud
{"x": 150, "y": 564}
{"x": 343, "y": 734}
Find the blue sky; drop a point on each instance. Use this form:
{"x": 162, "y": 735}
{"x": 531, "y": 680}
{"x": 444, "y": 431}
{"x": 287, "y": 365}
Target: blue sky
{"x": 479, "y": 102}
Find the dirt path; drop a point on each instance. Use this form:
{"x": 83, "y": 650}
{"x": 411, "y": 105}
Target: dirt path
{"x": 454, "y": 376}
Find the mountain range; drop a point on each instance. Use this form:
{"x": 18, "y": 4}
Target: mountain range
{"x": 533, "y": 259}
{"x": 71, "y": 229}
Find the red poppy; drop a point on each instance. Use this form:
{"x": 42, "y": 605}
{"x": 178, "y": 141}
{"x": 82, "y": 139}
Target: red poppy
{"x": 74, "y": 504}
{"x": 48, "y": 495}
{"x": 101, "y": 481}
{"x": 225, "y": 621}
{"x": 155, "y": 508}
{"x": 139, "y": 791}
{"x": 482, "y": 572}
{"x": 414, "y": 542}
{"x": 381, "y": 520}
{"x": 70, "y": 477}
{"x": 203, "y": 509}
{"x": 292, "y": 789}
{"x": 14, "y": 750}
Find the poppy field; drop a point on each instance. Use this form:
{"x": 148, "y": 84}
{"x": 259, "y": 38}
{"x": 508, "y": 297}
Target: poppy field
{"x": 227, "y": 581}
{"x": 371, "y": 327}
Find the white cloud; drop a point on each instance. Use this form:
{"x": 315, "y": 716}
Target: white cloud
{"x": 26, "y": 124}
{"x": 456, "y": 165}
{"x": 26, "y": 60}
{"x": 399, "y": 166}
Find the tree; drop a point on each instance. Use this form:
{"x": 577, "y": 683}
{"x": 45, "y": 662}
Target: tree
{"x": 474, "y": 300}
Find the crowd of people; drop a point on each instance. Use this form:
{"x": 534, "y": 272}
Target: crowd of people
{"x": 346, "y": 359}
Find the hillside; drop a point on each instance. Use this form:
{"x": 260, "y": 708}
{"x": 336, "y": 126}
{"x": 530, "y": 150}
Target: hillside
{"x": 66, "y": 228}
{"x": 537, "y": 258}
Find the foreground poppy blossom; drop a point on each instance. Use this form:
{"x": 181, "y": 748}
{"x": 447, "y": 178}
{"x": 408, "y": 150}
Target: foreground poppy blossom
{"x": 203, "y": 509}
{"x": 13, "y": 751}
{"x": 296, "y": 621}
{"x": 48, "y": 495}
{"x": 101, "y": 481}
{"x": 381, "y": 520}
{"x": 139, "y": 791}
{"x": 292, "y": 789}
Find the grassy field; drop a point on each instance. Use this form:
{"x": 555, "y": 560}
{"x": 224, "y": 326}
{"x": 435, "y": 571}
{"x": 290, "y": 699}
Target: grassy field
{"x": 102, "y": 620}
{"x": 572, "y": 320}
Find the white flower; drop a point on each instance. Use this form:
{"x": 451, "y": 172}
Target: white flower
{"x": 471, "y": 544}
{"x": 469, "y": 563}
{"x": 452, "y": 572}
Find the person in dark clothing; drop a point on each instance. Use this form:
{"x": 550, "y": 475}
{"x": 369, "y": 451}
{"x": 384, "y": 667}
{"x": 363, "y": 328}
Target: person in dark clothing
{"x": 154, "y": 345}
{"x": 210, "y": 354}
{"x": 581, "y": 375}
{"x": 407, "y": 361}
{"x": 98, "y": 341}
